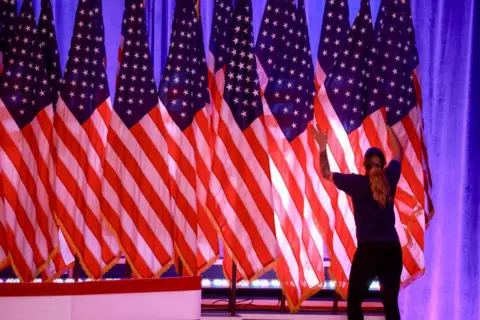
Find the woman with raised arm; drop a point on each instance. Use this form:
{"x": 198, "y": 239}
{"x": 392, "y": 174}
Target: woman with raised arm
{"x": 379, "y": 253}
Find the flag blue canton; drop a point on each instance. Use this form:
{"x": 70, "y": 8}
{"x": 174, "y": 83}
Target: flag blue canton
{"x": 48, "y": 43}
{"x": 242, "y": 89}
{"x": 334, "y": 32}
{"x": 304, "y": 43}
{"x": 221, "y": 32}
{"x": 184, "y": 86}
{"x": 85, "y": 86}
{"x": 24, "y": 87}
{"x": 136, "y": 89}
{"x": 8, "y": 8}
{"x": 346, "y": 83}
{"x": 285, "y": 56}
{"x": 394, "y": 57}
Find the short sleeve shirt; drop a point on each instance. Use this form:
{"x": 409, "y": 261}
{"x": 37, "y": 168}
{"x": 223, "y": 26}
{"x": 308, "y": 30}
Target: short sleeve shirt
{"x": 373, "y": 223}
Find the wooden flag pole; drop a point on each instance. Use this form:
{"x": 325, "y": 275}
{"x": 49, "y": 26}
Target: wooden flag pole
{"x": 76, "y": 269}
{"x": 232, "y": 299}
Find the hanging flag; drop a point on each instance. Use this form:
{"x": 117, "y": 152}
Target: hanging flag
{"x": 334, "y": 33}
{"x": 81, "y": 122}
{"x": 340, "y": 111}
{"x": 4, "y": 259}
{"x": 48, "y": 43}
{"x": 394, "y": 87}
{"x": 286, "y": 80}
{"x": 207, "y": 238}
{"x": 7, "y": 16}
{"x": 136, "y": 198}
{"x": 26, "y": 115}
{"x": 240, "y": 183}
{"x": 218, "y": 52}
{"x": 64, "y": 258}
{"x": 8, "y": 10}
{"x": 184, "y": 102}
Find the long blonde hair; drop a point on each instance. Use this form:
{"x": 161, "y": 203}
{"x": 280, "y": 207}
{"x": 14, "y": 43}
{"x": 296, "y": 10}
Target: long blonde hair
{"x": 378, "y": 180}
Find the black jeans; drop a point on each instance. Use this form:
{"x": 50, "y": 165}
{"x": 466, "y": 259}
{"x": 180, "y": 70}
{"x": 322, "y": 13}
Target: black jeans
{"x": 375, "y": 259}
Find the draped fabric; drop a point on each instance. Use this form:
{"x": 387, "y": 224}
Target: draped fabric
{"x": 448, "y": 40}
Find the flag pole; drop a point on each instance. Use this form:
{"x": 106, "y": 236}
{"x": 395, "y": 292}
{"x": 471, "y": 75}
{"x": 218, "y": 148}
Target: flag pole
{"x": 336, "y": 298}
{"x": 282, "y": 302}
{"x": 232, "y": 299}
{"x": 180, "y": 267}
{"x": 76, "y": 269}
{"x": 128, "y": 270}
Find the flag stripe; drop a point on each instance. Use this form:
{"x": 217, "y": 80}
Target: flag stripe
{"x": 234, "y": 234}
{"x": 147, "y": 253}
{"x": 136, "y": 170}
{"x": 240, "y": 196}
{"x": 134, "y": 163}
{"x": 22, "y": 261}
{"x": 240, "y": 147}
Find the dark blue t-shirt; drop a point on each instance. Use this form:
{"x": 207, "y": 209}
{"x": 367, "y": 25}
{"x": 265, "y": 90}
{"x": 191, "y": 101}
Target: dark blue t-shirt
{"x": 373, "y": 223}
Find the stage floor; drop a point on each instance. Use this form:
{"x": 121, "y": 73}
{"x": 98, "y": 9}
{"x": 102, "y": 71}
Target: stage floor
{"x": 273, "y": 316}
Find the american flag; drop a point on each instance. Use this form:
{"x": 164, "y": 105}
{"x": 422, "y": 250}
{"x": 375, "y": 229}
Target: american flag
{"x": 48, "y": 43}
{"x": 335, "y": 27}
{"x": 64, "y": 258}
{"x": 340, "y": 111}
{"x": 136, "y": 199}
{"x": 216, "y": 61}
{"x": 26, "y": 115}
{"x": 81, "y": 122}
{"x": 218, "y": 53}
{"x": 184, "y": 101}
{"x": 8, "y": 10}
{"x": 7, "y": 16}
{"x": 220, "y": 38}
{"x": 286, "y": 80}
{"x": 241, "y": 183}
{"x": 394, "y": 86}
{"x": 207, "y": 239}
{"x": 4, "y": 259}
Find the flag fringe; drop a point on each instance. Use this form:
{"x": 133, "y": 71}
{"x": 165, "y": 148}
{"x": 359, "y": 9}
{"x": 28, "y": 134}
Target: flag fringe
{"x": 135, "y": 272}
{"x": 70, "y": 241}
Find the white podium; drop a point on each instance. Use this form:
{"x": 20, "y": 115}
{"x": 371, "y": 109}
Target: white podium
{"x": 152, "y": 299}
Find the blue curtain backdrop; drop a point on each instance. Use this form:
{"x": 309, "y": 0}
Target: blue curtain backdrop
{"x": 448, "y": 39}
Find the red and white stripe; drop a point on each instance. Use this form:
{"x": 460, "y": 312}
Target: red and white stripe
{"x": 27, "y": 177}
{"x": 61, "y": 262}
{"x": 189, "y": 167}
{"x": 429, "y": 209}
{"x": 80, "y": 157}
{"x": 345, "y": 154}
{"x": 207, "y": 239}
{"x": 4, "y": 259}
{"x": 298, "y": 204}
{"x": 373, "y": 133}
{"x": 413, "y": 188}
{"x": 241, "y": 187}
{"x": 231, "y": 243}
{"x": 136, "y": 198}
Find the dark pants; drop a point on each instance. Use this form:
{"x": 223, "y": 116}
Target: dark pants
{"x": 382, "y": 260}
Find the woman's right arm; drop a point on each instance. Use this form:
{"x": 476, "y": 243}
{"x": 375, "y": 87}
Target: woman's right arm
{"x": 322, "y": 140}
{"x": 396, "y": 149}
{"x": 325, "y": 166}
